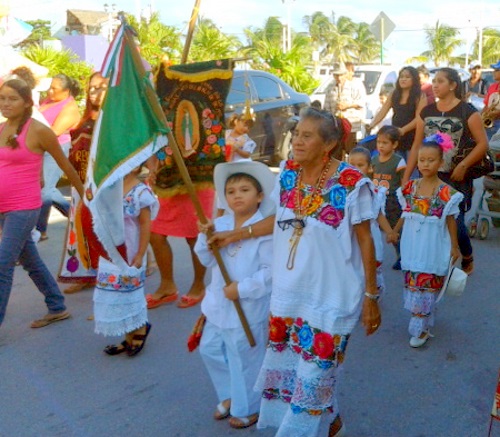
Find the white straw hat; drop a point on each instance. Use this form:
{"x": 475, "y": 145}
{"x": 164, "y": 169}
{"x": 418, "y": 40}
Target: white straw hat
{"x": 259, "y": 171}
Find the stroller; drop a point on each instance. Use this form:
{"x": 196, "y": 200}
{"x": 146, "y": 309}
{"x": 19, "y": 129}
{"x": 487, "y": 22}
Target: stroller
{"x": 488, "y": 210}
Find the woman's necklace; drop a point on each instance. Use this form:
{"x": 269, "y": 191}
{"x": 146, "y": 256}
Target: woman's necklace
{"x": 300, "y": 210}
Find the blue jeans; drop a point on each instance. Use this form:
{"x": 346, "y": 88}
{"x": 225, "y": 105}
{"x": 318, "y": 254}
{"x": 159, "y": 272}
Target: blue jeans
{"x": 17, "y": 244}
{"x": 50, "y": 194}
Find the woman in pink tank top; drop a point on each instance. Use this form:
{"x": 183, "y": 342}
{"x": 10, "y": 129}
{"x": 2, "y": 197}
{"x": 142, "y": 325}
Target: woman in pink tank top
{"x": 61, "y": 112}
{"x": 23, "y": 141}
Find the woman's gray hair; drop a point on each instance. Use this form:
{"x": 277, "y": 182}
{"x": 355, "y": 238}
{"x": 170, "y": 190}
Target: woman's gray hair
{"x": 328, "y": 127}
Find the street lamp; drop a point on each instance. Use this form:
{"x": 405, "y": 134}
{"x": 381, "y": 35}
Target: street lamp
{"x": 288, "y": 44}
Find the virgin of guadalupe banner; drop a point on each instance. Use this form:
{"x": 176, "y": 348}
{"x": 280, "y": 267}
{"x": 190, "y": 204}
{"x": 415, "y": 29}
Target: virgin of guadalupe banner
{"x": 193, "y": 97}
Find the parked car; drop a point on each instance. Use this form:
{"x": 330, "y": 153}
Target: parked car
{"x": 374, "y": 77}
{"x": 274, "y": 103}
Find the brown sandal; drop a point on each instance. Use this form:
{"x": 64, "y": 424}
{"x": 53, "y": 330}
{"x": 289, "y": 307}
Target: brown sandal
{"x": 468, "y": 264}
{"x": 336, "y": 428}
{"x": 222, "y": 410}
{"x": 243, "y": 422}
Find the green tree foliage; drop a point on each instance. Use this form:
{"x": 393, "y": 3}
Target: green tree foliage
{"x": 210, "y": 43}
{"x": 442, "y": 41}
{"x": 342, "y": 40}
{"x": 365, "y": 47}
{"x": 267, "y": 54}
{"x": 157, "y": 41}
{"x": 320, "y": 29}
{"x": 41, "y": 32}
{"x": 491, "y": 46}
{"x": 60, "y": 61}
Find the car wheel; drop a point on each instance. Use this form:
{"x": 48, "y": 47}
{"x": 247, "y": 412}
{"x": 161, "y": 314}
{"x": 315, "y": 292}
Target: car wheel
{"x": 484, "y": 229}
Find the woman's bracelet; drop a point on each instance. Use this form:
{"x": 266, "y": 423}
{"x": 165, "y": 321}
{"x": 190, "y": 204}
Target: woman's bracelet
{"x": 371, "y": 296}
{"x": 250, "y": 231}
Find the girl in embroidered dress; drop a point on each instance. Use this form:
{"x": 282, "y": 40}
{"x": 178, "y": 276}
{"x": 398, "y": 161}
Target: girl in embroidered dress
{"x": 232, "y": 363}
{"x": 119, "y": 301}
{"x": 239, "y": 146}
{"x": 360, "y": 158}
{"x": 429, "y": 236}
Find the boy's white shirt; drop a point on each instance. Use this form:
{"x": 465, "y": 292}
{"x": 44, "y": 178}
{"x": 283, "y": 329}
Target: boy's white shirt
{"x": 250, "y": 267}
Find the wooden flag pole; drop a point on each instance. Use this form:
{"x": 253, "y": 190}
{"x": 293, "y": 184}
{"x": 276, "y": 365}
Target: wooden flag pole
{"x": 179, "y": 160}
{"x": 189, "y": 36}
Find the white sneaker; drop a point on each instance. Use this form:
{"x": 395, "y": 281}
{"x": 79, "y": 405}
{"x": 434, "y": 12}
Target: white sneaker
{"x": 420, "y": 341}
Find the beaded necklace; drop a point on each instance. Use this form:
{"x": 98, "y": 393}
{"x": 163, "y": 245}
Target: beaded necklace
{"x": 300, "y": 210}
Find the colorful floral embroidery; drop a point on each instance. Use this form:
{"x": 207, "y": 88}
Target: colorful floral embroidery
{"x": 427, "y": 206}
{"x": 416, "y": 281}
{"x": 314, "y": 345}
{"x": 121, "y": 283}
{"x": 328, "y": 205}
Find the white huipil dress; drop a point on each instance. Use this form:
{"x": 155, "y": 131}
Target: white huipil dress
{"x": 425, "y": 249}
{"x": 119, "y": 302}
{"x": 316, "y": 304}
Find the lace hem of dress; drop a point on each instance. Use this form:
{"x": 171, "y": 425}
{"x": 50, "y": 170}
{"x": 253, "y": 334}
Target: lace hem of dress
{"x": 116, "y": 328}
{"x": 313, "y": 396}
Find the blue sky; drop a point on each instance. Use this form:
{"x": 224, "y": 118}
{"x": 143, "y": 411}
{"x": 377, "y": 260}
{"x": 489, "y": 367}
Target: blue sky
{"x": 232, "y": 16}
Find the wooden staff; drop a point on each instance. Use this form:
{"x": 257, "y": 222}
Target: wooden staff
{"x": 189, "y": 35}
{"x": 153, "y": 99}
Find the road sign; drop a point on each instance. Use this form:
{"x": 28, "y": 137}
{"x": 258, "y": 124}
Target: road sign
{"x": 382, "y": 26}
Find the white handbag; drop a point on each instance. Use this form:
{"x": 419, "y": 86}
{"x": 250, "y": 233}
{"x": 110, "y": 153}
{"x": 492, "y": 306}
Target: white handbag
{"x": 454, "y": 283}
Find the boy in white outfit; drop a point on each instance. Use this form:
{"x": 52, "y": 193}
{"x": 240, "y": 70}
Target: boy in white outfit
{"x": 232, "y": 363}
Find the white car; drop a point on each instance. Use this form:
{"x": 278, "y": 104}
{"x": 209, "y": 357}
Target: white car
{"x": 374, "y": 77}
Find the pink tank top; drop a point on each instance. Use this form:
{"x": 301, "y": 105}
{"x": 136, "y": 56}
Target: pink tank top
{"x": 20, "y": 175}
{"x": 52, "y": 112}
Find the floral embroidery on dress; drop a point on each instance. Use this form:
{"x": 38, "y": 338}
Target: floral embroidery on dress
{"x": 416, "y": 281}
{"x": 428, "y": 206}
{"x": 121, "y": 283}
{"x": 322, "y": 348}
{"x": 327, "y": 205}
{"x": 130, "y": 207}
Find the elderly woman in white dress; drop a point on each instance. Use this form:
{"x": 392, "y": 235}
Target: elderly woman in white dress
{"x": 323, "y": 280}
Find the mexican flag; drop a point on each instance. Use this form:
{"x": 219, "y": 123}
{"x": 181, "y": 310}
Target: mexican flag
{"x": 128, "y": 131}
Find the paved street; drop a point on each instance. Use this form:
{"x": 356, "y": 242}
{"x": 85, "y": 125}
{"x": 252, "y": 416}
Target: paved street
{"x": 56, "y": 381}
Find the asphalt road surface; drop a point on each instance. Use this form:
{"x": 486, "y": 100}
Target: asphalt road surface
{"x": 56, "y": 381}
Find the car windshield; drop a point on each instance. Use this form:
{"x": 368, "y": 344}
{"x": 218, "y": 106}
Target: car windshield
{"x": 238, "y": 93}
{"x": 369, "y": 78}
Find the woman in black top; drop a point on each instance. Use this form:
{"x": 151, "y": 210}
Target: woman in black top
{"x": 406, "y": 101}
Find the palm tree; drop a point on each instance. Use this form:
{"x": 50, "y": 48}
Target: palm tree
{"x": 265, "y": 47}
{"x": 320, "y": 28}
{"x": 365, "y": 47}
{"x": 491, "y": 46}
{"x": 442, "y": 40}
{"x": 210, "y": 43}
{"x": 157, "y": 40}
